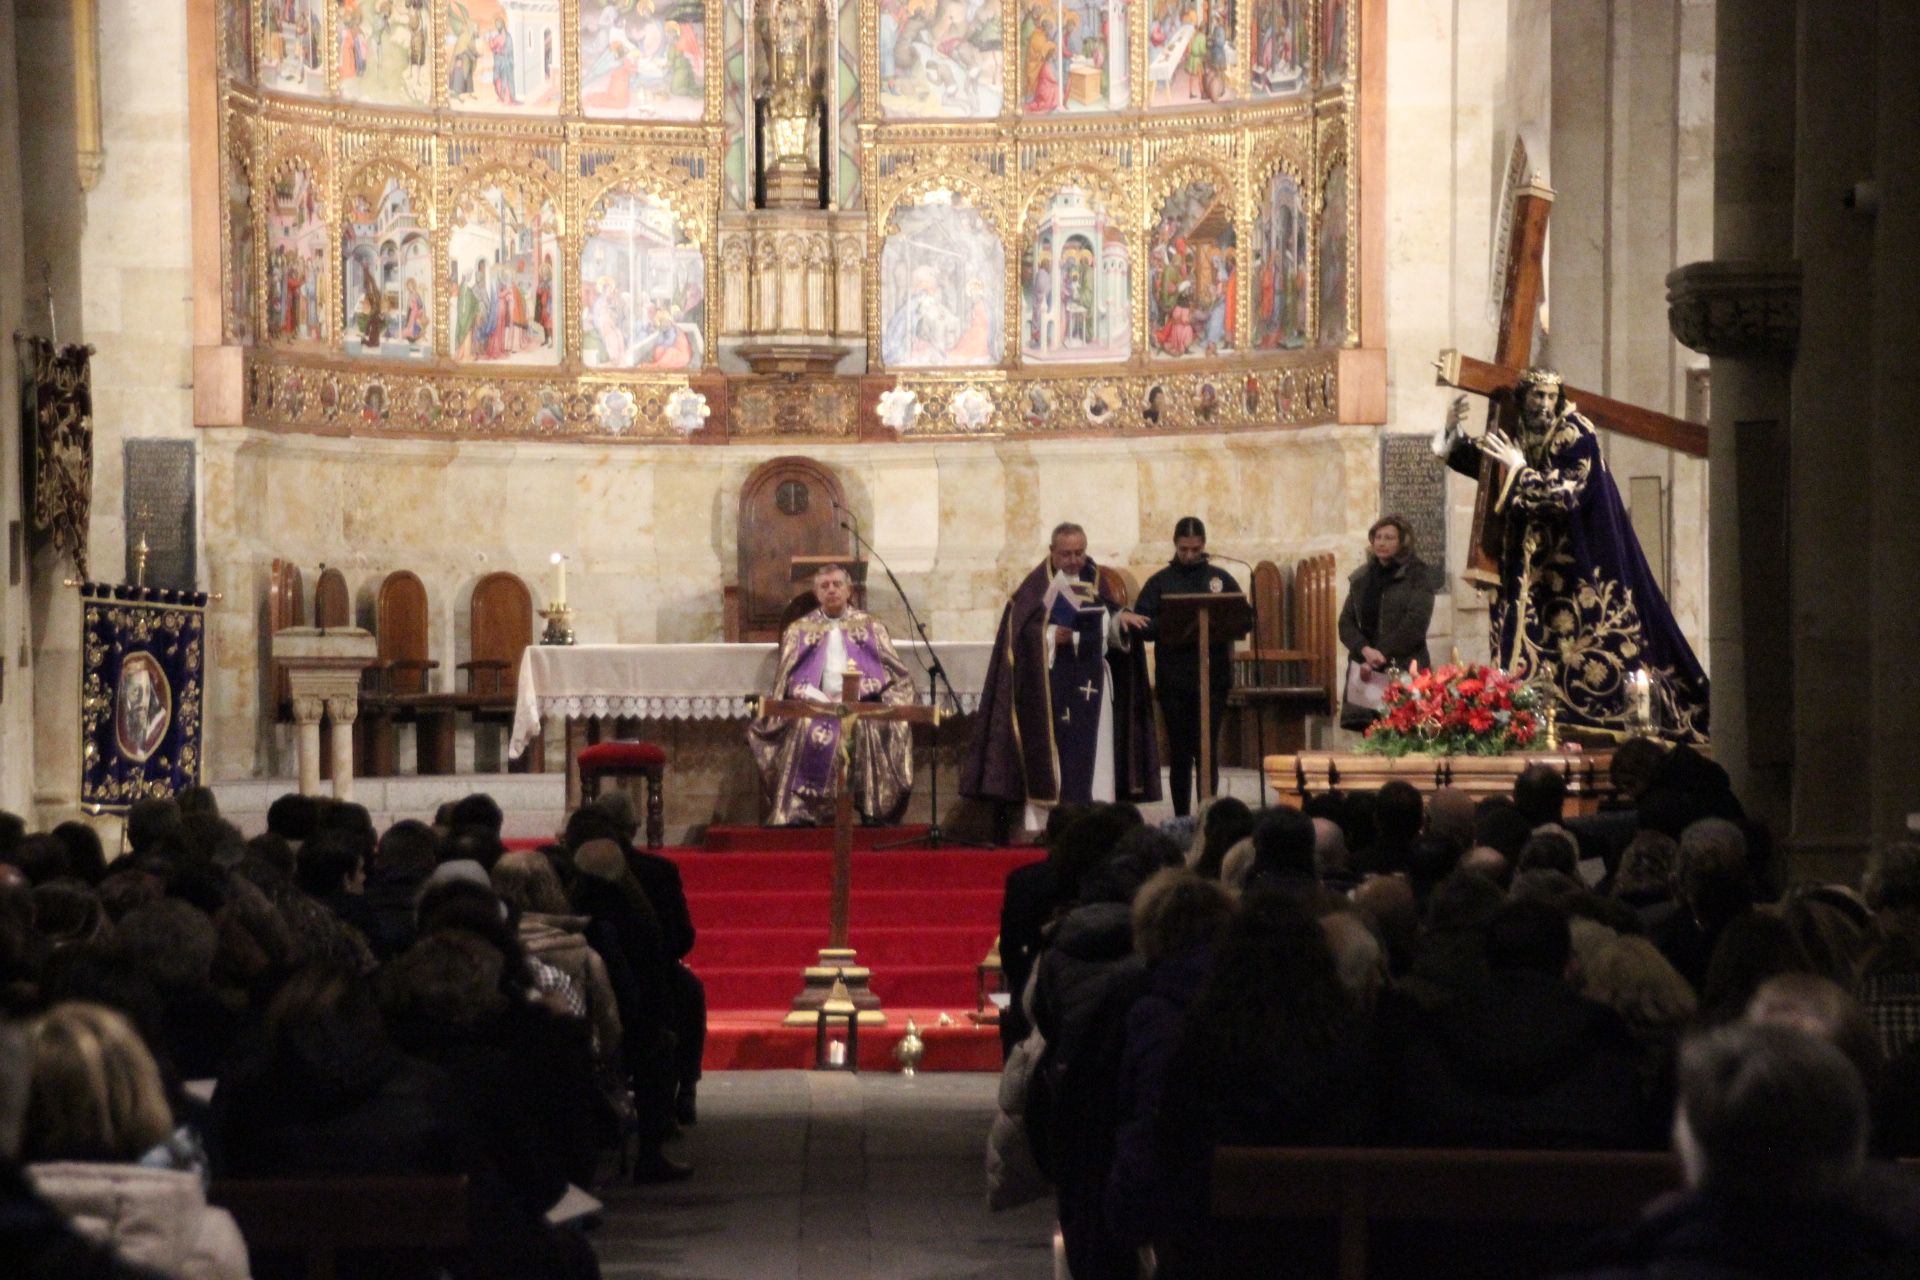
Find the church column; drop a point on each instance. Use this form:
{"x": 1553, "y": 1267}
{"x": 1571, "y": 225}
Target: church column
{"x": 1742, "y": 310}
{"x": 1831, "y": 460}
{"x": 1895, "y": 446}
{"x": 16, "y": 681}
{"x": 341, "y": 713}
{"x": 306, "y": 717}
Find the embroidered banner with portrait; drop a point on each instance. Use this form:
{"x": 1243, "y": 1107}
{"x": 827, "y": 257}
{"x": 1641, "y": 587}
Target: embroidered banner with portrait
{"x": 143, "y": 650}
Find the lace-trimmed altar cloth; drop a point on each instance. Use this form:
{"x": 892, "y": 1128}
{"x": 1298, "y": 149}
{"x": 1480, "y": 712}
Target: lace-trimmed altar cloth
{"x": 688, "y": 681}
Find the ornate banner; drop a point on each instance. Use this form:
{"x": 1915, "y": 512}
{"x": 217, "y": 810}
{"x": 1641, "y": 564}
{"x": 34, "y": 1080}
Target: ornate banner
{"x": 142, "y": 652}
{"x": 59, "y": 404}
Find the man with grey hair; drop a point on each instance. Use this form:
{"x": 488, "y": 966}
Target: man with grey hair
{"x": 1771, "y": 1131}
{"x": 1066, "y": 715}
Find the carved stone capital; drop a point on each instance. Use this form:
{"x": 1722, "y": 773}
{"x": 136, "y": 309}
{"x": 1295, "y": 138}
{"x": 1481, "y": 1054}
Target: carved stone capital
{"x": 308, "y": 710}
{"x": 1745, "y": 310}
{"x": 343, "y": 711}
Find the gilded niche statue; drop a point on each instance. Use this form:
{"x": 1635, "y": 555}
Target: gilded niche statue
{"x": 792, "y": 41}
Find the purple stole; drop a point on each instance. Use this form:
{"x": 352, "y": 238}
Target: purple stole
{"x": 812, "y": 772}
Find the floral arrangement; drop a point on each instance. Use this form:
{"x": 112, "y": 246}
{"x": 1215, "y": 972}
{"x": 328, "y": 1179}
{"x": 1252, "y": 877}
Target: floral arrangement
{"x": 1454, "y": 710}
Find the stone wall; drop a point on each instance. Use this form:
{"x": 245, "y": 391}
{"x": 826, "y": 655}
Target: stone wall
{"x": 650, "y": 530}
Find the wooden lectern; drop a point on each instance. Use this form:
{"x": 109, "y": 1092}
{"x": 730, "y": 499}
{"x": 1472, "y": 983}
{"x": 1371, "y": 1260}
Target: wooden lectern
{"x": 1205, "y": 618}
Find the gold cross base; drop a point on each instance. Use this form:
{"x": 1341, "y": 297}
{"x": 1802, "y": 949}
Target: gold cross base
{"x": 835, "y": 962}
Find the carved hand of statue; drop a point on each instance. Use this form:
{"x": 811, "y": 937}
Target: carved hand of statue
{"x": 1454, "y": 429}
{"x": 1497, "y": 446}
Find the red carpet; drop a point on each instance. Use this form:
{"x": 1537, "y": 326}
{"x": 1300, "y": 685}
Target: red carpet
{"x": 921, "y": 919}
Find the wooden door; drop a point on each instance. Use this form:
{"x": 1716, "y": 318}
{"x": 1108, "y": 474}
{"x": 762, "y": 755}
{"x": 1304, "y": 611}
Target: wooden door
{"x": 790, "y": 506}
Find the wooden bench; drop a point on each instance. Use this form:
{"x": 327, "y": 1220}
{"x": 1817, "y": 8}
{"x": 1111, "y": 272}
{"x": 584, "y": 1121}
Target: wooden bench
{"x": 323, "y": 1228}
{"x": 1515, "y": 1209}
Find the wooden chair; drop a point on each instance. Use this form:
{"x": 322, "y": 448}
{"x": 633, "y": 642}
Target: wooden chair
{"x": 324, "y": 1228}
{"x": 286, "y": 607}
{"x": 1429, "y": 1212}
{"x": 1278, "y": 683}
{"x": 400, "y": 678}
{"x": 789, "y": 506}
{"x": 499, "y": 629}
{"x": 332, "y": 603}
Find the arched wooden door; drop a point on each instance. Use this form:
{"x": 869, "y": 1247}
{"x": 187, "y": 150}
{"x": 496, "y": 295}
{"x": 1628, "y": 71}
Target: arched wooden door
{"x": 787, "y": 509}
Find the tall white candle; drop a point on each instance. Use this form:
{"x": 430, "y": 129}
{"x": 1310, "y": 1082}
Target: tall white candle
{"x": 559, "y": 580}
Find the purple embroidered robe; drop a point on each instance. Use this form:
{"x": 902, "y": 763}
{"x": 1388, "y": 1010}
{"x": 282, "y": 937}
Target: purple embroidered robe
{"x": 796, "y": 756}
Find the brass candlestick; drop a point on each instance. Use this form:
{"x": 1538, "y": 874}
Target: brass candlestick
{"x": 559, "y": 624}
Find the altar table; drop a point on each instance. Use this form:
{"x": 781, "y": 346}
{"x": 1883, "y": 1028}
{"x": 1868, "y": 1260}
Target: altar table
{"x": 1295, "y": 778}
{"x": 587, "y": 683}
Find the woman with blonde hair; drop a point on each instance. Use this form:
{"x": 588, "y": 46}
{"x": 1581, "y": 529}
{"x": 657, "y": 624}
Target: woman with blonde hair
{"x": 553, "y": 934}
{"x": 97, "y": 1120}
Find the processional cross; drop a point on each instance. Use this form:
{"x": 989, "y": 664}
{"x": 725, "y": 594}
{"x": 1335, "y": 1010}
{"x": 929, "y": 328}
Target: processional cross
{"x": 837, "y": 959}
{"x": 1513, "y": 348}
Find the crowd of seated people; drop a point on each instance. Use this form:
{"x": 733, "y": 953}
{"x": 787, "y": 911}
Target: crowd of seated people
{"x": 1388, "y": 970}
{"x": 328, "y": 1001}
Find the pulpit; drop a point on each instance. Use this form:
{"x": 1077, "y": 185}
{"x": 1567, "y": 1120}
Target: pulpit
{"x": 323, "y": 666}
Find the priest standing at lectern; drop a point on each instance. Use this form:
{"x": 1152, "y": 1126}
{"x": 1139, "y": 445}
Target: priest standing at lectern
{"x": 796, "y": 756}
{"x": 1066, "y": 714}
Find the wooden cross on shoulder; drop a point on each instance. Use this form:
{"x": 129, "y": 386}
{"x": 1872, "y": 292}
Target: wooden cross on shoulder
{"x": 1513, "y": 349}
{"x": 849, "y": 711}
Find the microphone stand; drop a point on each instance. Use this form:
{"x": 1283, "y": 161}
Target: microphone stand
{"x": 1259, "y": 720}
{"x": 936, "y": 837}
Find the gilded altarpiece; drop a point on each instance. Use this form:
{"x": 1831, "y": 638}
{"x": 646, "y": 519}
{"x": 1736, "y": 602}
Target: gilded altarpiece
{"x": 525, "y": 217}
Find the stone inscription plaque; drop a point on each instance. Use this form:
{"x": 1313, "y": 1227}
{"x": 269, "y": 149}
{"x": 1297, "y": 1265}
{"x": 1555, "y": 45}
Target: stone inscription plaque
{"x": 161, "y": 506}
{"x": 1413, "y": 486}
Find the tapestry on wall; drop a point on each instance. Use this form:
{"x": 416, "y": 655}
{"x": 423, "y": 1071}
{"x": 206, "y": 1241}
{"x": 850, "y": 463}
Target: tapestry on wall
{"x": 142, "y": 654}
{"x": 59, "y": 404}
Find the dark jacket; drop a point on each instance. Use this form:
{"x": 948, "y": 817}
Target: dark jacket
{"x": 1406, "y": 607}
{"x": 1031, "y": 897}
{"x": 660, "y": 880}
{"x": 1176, "y": 667}
{"x": 1090, "y": 944}
{"x": 333, "y": 1102}
{"x": 1696, "y": 1236}
{"x": 1524, "y": 1062}
{"x": 1136, "y": 1187}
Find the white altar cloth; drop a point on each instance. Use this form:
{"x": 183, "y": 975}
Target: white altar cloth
{"x": 689, "y": 681}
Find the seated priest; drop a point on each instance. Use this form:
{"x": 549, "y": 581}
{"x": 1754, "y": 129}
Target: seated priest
{"x": 1066, "y": 715}
{"x": 796, "y": 757}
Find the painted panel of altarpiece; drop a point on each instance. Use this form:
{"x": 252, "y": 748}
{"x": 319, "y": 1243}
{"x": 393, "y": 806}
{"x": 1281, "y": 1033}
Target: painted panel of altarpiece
{"x": 296, "y": 257}
{"x": 502, "y": 250}
{"x": 641, "y": 60}
{"x": 642, "y": 288}
{"x": 385, "y": 52}
{"x": 1076, "y": 299}
{"x": 1281, "y": 57}
{"x": 1192, "y": 302}
{"x": 941, "y": 289}
{"x": 940, "y": 59}
{"x": 1073, "y": 56}
{"x": 1280, "y": 266}
{"x": 386, "y": 258}
{"x": 503, "y": 55}
{"x": 293, "y": 38}
{"x": 1190, "y": 52}
{"x": 1333, "y": 256}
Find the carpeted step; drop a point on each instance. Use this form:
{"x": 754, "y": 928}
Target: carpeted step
{"x": 881, "y": 947}
{"x": 948, "y": 987}
{"x": 811, "y": 907}
{"x": 927, "y": 870}
{"x": 721, "y": 839}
